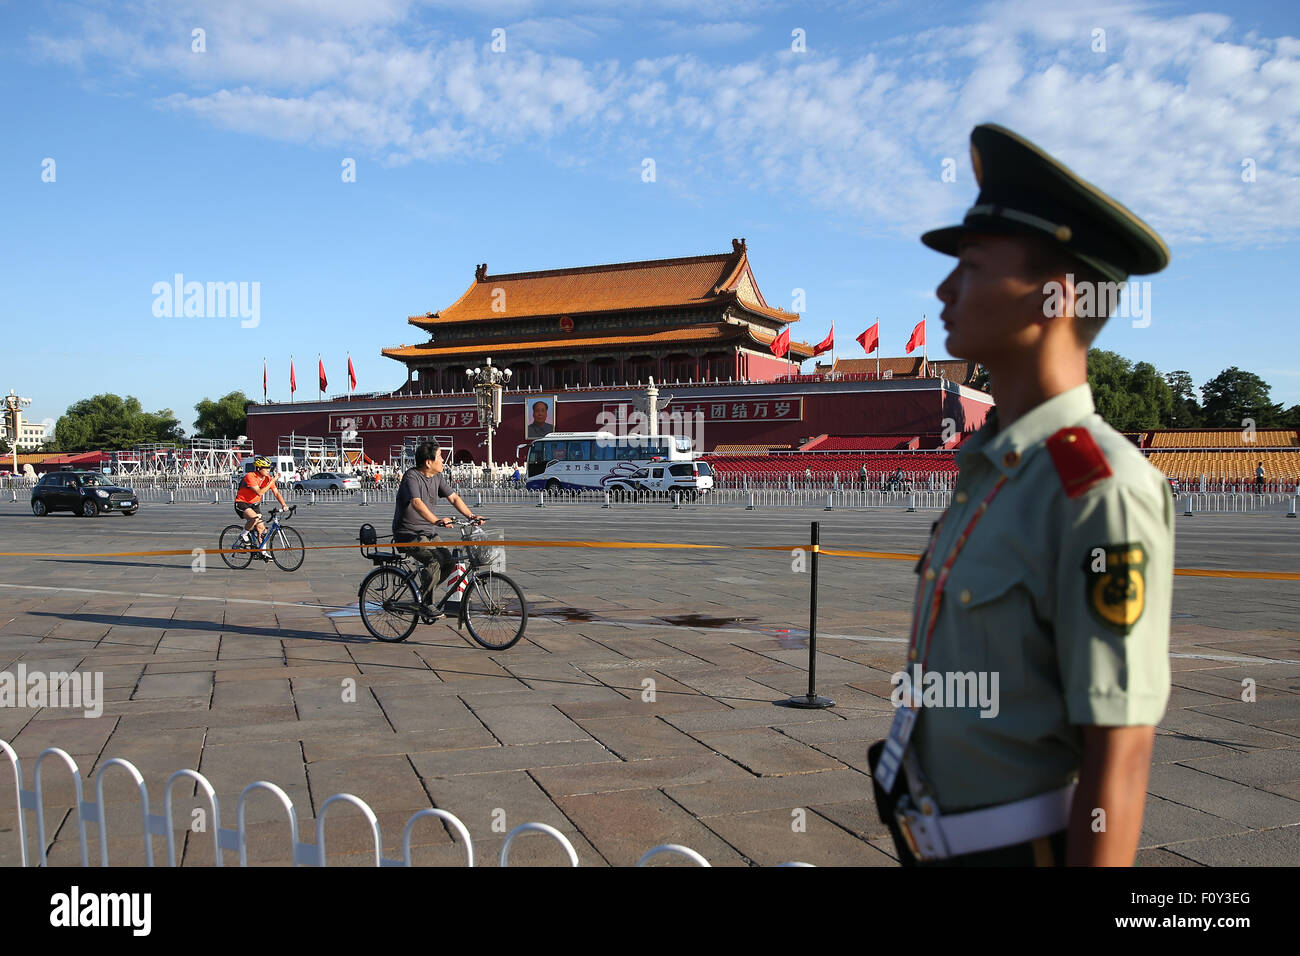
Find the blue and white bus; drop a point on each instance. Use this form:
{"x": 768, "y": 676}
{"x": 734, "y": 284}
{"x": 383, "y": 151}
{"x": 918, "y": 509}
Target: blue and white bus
{"x": 621, "y": 465}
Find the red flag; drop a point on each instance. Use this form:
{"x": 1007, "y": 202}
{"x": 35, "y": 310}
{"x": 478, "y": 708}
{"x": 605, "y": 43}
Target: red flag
{"x": 781, "y": 344}
{"x": 323, "y": 383}
{"x": 870, "y": 339}
{"x": 352, "y": 375}
{"x": 826, "y": 344}
{"x": 918, "y": 336}
{"x": 293, "y": 381}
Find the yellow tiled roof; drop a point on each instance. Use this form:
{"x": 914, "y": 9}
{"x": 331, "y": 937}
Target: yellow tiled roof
{"x": 617, "y": 287}
{"x": 703, "y": 334}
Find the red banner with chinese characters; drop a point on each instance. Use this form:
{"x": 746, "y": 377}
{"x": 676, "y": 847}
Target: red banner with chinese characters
{"x": 749, "y": 410}
{"x": 409, "y": 421}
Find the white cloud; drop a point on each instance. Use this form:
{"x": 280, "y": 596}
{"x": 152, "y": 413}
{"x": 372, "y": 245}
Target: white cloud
{"x": 1163, "y": 117}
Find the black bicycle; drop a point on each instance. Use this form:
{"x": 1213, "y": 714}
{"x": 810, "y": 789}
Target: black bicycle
{"x": 285, "y": 544}
{"x": 488, "y": 603}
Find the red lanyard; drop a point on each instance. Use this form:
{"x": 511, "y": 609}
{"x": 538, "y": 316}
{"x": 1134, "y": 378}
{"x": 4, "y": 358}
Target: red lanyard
{"x": 937, "y": 597}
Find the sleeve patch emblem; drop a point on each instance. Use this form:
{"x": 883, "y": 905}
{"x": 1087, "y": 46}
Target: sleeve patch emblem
{"x": 1116, "y": 592}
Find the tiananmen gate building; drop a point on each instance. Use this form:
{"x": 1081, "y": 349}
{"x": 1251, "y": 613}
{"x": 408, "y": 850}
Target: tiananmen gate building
{"x": 590, "y": 338}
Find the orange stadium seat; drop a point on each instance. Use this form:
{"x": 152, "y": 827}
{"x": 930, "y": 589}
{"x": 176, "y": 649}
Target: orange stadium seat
{"x": 1237, "y": 465}
{"x": 1225, "y": 438}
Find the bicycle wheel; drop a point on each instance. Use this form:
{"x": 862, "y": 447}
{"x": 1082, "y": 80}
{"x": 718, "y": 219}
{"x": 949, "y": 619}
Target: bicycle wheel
{"x": 229, "y": 541}
{"x": 286, "y": 549}
{"x": 495, "y": 610}
{"x": 387, "y": 600}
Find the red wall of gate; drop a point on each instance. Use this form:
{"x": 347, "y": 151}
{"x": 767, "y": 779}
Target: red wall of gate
{"x": 386, "y": 422}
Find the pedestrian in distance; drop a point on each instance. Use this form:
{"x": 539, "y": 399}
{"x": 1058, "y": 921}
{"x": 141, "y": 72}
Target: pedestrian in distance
{"x": 1049, "y": 578}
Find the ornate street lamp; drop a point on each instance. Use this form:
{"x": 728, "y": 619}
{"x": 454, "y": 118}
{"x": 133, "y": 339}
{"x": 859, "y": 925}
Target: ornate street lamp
{"x": 14, "y": 417}
{"x": 489, "y": 383}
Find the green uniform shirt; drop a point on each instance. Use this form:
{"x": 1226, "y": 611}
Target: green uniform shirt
{"x": 1065, "y": 601}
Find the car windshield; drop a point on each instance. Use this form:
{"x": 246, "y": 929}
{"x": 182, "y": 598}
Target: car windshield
{"x": 89, "y": 481}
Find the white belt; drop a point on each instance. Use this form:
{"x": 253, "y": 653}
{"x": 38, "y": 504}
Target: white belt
{"x": 935, "y": 837}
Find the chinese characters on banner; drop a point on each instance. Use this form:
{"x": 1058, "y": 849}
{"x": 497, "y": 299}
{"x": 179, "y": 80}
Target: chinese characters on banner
{"x": 749, "y": 410}
{"x": 368, "y": 422}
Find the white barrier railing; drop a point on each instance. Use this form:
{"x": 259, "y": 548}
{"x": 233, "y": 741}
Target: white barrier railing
{"x": 1231, "y": 502}
{"x": 235, "y": 840}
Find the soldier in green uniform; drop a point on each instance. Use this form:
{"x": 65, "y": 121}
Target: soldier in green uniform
{"x": 1048, "y": 581}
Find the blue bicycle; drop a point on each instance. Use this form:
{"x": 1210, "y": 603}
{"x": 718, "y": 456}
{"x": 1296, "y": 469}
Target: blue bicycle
{"x": 238, "y": 547}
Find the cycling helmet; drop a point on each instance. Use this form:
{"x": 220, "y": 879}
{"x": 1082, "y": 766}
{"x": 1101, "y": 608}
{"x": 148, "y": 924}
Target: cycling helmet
{"x": 260, "y": 462}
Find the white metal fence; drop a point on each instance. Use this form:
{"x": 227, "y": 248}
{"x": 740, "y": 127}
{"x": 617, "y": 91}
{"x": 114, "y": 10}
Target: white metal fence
{"x": 234, "y": 839}
{"x": 751, "y": 496}
{"x": 1237, "y": 502}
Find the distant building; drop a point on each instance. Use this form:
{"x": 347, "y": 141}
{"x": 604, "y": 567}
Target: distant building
{"x": 696, "y": 319}
{"x": 954, "y": 370}
{"x": 30, "y": 436}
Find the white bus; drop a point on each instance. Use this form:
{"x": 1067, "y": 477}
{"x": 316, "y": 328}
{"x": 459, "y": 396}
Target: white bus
{"x": 621, "y": 465}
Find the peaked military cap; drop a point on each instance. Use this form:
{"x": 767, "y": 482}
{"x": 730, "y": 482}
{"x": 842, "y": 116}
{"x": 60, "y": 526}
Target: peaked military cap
{"x": 1024, "y": 191}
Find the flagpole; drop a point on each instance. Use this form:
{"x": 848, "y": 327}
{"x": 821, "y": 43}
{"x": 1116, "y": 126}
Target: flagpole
{"x": 925, "y": 348}
{"x": 349, "y": 376}
{"x": 264, "y": 402}
{"x": 320, "y": 392}
{"x": 291, "y": 377}
{"x": 877, "y": 348}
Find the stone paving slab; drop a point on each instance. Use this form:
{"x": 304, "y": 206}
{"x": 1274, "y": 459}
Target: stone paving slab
{"x": 772, "y": 837}
{"x": 766, "y": 753}
{"x": 1234, "y": 788}
{"x": 624, "y": 825}
{"x": 636, "y": 738}
{"x": 639, "y": 774}
{"x": 529, "y": 724}
{"x": 557, "y": 728}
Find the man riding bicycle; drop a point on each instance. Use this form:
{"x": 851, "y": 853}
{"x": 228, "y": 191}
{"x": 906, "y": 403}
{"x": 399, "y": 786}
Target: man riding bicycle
{"x": 413, "y": 517}
{"x": 252, "y": 488}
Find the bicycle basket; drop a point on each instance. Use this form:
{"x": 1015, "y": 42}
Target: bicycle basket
{"x": 484, "y": 556}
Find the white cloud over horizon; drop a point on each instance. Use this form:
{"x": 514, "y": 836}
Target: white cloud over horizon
{"x": 1164, "y": 118}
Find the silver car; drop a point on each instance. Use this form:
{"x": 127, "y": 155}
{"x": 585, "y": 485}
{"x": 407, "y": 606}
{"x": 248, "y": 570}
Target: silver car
{"x": 328, "y": 481}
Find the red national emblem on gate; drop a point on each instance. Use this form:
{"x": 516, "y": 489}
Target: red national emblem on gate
{"x": 566, "y": 324}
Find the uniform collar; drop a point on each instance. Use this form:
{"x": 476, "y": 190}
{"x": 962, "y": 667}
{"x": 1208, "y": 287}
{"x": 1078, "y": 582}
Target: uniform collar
{"x": 1009, "y": 449}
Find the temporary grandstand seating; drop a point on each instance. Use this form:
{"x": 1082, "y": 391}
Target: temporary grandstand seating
{"x": 1237, "y": 465}
{"x": 1224, "y": 438}
{"x": 864, "y": 443}
{"x": 747, "y": 449}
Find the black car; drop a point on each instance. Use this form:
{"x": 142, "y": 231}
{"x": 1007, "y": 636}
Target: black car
{"x": 81, "y": 492}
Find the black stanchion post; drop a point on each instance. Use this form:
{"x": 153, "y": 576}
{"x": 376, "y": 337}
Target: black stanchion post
{"x": 811, "y": 701}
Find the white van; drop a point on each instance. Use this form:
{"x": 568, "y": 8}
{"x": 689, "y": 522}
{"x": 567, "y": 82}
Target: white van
{"x": 282, "y": 466}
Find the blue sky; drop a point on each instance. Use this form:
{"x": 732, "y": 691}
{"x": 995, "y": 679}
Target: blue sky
{"x": 225, "y": 166}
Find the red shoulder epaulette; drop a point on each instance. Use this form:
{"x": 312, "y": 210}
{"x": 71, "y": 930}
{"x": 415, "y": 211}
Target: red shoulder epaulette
{"x": 1078, "y": 460}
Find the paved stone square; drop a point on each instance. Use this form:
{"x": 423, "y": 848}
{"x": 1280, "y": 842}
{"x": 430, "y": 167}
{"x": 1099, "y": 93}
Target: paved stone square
{"x": 246, "y": 675}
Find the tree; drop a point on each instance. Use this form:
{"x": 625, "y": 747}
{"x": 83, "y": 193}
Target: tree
{"x": 1233, "y": 396}
{"x": 224, "y": 418}
{"x": 1129, "y": 397}
{"x": 1186, "y": 410}
{"x": 109, "y": 421}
